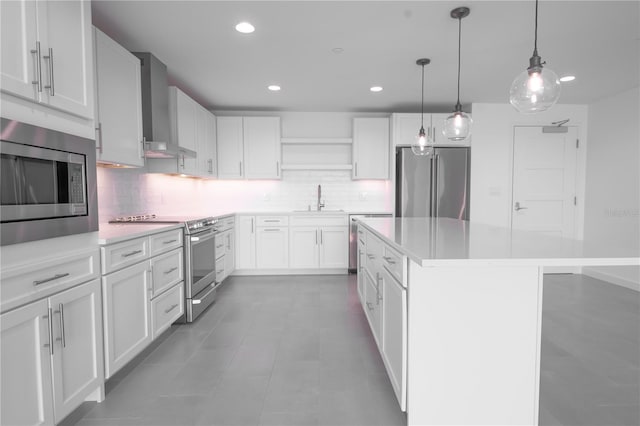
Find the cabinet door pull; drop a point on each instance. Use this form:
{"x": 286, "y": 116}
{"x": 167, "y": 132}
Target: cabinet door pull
{"x": 51, "y": 86}
{"x": 316, "y": 237}
{"x": 182, "y": 161}
{"x": 369, "y": 306}
{"x": 169, "y": 241}
{"x": 378, "y": 296}
{"x": 321, "y": 242}
{"x": 62, "y": 335}
{"x": 55, "y": 277}
{"x": 252, "y": 227}
{"x": 167, "y": 272}
{"x": 166, "y": 311}
{"x": 143, "y": 142}
{"x": 38, "y": 62}
{"x": 370, "y": 256}
{"x": 389, "y": 260}
{"x": 131, "y": 253}
{"x": 210, "y": 162}
{"x": 240, "y": 168}
{"x": 272, "y": 229}
{"x": 356, "y": 168}
{"x": 99, "y": 137}
{"x": 272, "y": 220}
{"x": 50, "y": 331}
{"x": 220, "y": 246}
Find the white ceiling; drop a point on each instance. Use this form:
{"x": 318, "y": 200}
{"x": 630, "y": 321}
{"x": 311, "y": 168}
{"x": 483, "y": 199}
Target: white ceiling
{"x": 598, "y": 41}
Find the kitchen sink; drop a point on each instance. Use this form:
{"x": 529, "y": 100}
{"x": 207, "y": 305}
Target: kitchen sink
{"x": 318, "y": 211}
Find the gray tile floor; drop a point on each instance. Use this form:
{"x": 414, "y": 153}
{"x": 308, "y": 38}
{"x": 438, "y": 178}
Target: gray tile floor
{"x": 297, "y": 351}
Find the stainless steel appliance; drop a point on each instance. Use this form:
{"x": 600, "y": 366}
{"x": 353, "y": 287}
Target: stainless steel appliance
{"x": 353, "y": 237}
{"x": 48, "y": 185}
{"x": 433, "y": 185}
{"x": 200, "y": 259}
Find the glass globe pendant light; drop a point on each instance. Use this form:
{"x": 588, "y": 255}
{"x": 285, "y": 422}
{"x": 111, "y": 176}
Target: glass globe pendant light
{"x": 457, "y": 127}
{"x": 537, "y": 88}
{"x": 422, "y": 145}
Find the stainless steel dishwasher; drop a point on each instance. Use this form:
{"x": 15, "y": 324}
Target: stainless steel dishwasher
{"x": 353, "y": 237}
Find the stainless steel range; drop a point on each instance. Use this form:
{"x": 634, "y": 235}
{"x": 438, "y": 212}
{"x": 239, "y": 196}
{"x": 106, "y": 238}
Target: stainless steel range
{"x": 200, "y": 259}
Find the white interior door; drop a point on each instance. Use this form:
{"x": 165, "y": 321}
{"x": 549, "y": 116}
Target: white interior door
{"x": 544, "y": 182}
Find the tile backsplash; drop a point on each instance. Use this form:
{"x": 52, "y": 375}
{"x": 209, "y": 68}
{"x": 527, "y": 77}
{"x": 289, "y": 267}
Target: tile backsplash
{"x": 133, "y": 191}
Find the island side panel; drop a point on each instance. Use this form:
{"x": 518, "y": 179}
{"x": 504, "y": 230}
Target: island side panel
{"x": 474, "y": 345}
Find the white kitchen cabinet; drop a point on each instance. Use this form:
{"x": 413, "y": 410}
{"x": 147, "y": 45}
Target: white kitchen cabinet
{"x": 230, "y": 147}
{"x": 207, "y": 162}
{"x": 405, "y": 129}
{"x": 51, "y": 356}
{"x": 246, "y": 242}
{"x": 119, "y": 103}
{"x": 304, "y": 244}
{"x": 370, "y": 148}
{"x": 360, "y": 266}
{"x": 166, "y": 308}
{"x": 78, "y": 358}
{"x": 261, "y": 147}
{"x": 47, "y": 54}
{"x": 229, "y": 252}
{"x": 127, "y": 315}
{"x": 248, "y": 147}
{"x": 184, "y": 127}
{"x": 272, "y": 247}
{"x": 334, "y": 247}
{"x": 26, "y": 366}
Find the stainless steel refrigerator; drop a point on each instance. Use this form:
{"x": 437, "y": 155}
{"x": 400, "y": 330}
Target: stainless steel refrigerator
{"x": 433, "y": 185}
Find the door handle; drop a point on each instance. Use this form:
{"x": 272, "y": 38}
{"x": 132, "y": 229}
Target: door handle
{"x": 51, "y": 86}
{"x": 518, "y": 207}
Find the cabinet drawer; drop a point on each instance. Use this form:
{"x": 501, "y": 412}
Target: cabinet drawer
{"x": 25, "y": 283}
{"x": 272, "y": 220}
{"x": 117, "y": 256}
{"x": 220, "y": 244}
{"x": 373, "y": 253}
{"x": 167, "y": 308}
{"x": 220, "y": 269}
{"x": 310, "y": 219}
{"x": 395, "y": 263}
{"x": 167, "y": 270}
{"x": 226, "y": 223}
{"x": 165, "y": 241}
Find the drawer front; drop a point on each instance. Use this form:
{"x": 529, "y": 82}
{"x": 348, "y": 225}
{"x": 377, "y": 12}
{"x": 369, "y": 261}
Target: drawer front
{"x": 165, "y": 241}
{"x": 25, "y": 283}
{"x": 319, "y": 220}
{"x": 220, "y": 269}
{"x": 227, "y": 223}
{"x": 118, "y": 256}
{"x": 167, "y": 308}
{"x": 220, "y": 244}
{"x": 272, "y": 220}
{"x": 167, "y": 270}
{"x": 395, "y": 263}
{"x": 373, "y": 253}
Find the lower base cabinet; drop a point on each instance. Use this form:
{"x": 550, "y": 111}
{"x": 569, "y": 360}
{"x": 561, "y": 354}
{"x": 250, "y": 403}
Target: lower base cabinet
{"x": 272, "y": 247}
{"x": 51, "y": 356}
{"x": 394, "y": 335}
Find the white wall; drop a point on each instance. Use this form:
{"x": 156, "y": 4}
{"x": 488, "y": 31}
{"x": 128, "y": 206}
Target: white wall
{"x": 133, "y": 191}
{"x": 492, "y": 157}
{"x": 612, "y": 209}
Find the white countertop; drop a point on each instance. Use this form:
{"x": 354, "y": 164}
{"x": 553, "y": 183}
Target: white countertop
{"x": 110, "y": 233}
{"x": 444, "y": 241}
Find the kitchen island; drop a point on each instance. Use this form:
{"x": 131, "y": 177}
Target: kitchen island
{"x": 456, "y": 308}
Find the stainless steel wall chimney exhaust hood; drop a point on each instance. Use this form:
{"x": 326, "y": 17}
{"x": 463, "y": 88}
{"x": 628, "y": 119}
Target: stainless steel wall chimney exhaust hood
{"x": 155, "y": 110}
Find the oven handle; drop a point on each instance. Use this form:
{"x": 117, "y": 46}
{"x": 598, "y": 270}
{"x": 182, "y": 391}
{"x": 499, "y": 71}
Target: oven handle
{"x": 203, "y": 236}
{"x": 198, "y": 301}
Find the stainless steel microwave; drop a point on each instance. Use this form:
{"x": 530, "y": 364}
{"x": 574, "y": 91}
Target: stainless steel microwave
{"x": 48, "y": 183}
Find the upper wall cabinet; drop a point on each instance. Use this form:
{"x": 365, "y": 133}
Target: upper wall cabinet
{"x": 248, "y": 147}
{"x": 370, "y": 148}
{"x": 47, "y": 53}
{"x": 193, "y": 128}
{"x": 118, "y": 103}
{"x": 405, "y": 129}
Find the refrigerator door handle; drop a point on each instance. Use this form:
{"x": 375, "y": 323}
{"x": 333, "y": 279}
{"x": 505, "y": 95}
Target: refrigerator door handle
{"x": 434, "y": 180}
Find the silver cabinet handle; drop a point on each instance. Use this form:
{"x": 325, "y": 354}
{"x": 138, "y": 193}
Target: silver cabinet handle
{"x": 518, "y": 207}
{"x": 389, "y": 260}
{"x": 167, "y": 272}
{"x": 378, "y": 296}
{"x": 169, "y": 241}
{"x": 166, "y": 311}
{"x": 210, "y": 163}
{"x": 369, "y": 306}
{"x": 277, "y": 168}
{"x": 131, "y": 253}
{"x": 220, "y": 246}
{"x": 38, "y": 62}
{"x": 356, "y": 165}
{"x": 272, "y": 220}
{"x": 50, "y": 329}
{"x": 55, "y": 277}
{"x": 271, "y": 229}
{"x": 61, "y": 312}
{"x": 99, "y": 130}
{"x": 240, "y": 168}
{"x": 252, "y": 227}
{"x": 182, "y": 161}
{"x": 219, "y": 271}
{"x": 143, "y": 142}
{"x": 370, "y": 256}
{"x": 51, "y": 86}
{"x": 321, "y": 237}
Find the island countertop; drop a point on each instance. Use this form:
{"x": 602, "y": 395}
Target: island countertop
{"x": 432, "y": 241}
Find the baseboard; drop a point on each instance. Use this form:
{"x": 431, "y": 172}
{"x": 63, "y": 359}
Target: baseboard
{"x": 250, "y": 272}
{"x": 613, "y": 279}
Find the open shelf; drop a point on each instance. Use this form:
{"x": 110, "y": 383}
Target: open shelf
{"x": 316, "y": 141}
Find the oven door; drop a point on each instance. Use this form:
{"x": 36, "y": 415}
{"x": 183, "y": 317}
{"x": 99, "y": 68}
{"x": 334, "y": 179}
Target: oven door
{"x": 200, "y": 261}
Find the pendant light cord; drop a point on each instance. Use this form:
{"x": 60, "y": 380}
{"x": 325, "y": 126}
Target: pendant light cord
{"x": 422, "y": 101}
{"x": 535, "y": 39}
{"x": 458, "y": 106}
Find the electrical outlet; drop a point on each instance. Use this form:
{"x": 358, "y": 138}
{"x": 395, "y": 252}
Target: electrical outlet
{"x": 363, "y": 196}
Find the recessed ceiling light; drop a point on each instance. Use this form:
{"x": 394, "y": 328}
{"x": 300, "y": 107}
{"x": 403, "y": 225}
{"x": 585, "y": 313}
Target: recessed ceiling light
{"x": 376, "y": 89}
{"x": 274, "y": 87}
{"x": 567, "y": 78}
{"x": 337, "y": 50}
{"x": 245, "y": 28}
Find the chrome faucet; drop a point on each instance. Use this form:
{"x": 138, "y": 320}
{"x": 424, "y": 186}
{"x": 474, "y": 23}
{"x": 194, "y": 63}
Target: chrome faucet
{"x": 320, "y": 203}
